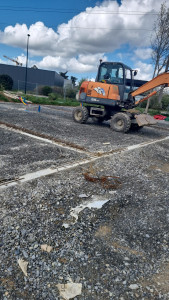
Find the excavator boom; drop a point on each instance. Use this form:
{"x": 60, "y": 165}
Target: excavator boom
{"x": 161, "y": 79}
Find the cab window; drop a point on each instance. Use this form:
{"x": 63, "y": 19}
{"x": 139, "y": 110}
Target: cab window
{"x": 128, "y": 76}
{"x": 128, "y": 83}
{"x": 111, "y": 73}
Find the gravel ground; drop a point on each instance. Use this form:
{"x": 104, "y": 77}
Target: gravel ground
{"x": 59, "y": 124}
{"x": 22, "y": 154}
{"x": 118, "y": 250}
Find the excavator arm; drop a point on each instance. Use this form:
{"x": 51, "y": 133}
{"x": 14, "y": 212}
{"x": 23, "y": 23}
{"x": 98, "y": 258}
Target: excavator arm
{"x": 160, "y": 80}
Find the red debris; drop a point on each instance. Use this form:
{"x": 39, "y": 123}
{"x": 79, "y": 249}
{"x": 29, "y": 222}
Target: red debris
{"x": 159, "y": 117}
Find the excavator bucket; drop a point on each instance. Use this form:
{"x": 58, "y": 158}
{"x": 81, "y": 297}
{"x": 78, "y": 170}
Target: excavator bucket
{"x": 144, "y": 119}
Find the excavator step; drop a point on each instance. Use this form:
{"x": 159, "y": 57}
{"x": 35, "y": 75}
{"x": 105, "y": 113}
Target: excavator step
{"x": 144, "y": 119}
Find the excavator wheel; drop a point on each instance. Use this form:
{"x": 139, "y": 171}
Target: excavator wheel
{"x": 120, "y": 122}
{"x": 80, "y": 114}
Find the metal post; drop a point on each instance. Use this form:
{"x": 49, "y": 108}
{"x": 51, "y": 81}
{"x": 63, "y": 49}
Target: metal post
{"x": 64, "y": 93}
{"x": 26, "y": 62}
{"x": 167, "y": 64}
{"x": 36, "y": 89}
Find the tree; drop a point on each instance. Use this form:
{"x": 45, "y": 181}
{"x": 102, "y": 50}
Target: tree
{"x": 6, "y": 82}
{"x": 70, "y": 93}
{"x": 160, "y": 46}
{"x": 160, "y": 40}
{"x": 46, "y": 90}
{"x": 63, "y": 74}
{"x": 80, "y": 82}
{"x": 73, "y": 79}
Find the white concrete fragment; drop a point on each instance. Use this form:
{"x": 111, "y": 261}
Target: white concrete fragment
{"x": 65, "y": 225}
{"x": 23, "y": 265}
{"x": 133, "y": 286}
{"x": 46, "y": 248}
{"x": 97, "y": 202}
{"x": 69, "y": 290}
{"x": 112, "y": 192}
{"x": 83, "y": 196}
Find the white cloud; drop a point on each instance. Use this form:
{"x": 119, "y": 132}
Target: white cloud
{"x": 78, "y": 49}
{"x": 80, "y": 64}
{"x": 91, "y": 59}
{"x": 91, "y": 79}
{"x": 145, "y": 71}
{"x": 42, "y": 41}
{"x": 77, "y": 64}
{"x": 143, "y": 53}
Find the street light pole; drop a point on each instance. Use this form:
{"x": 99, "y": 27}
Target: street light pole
{"x": 26, "y": 63}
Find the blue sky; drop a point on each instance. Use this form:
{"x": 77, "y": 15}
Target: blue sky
{"x": 73, "y": 35}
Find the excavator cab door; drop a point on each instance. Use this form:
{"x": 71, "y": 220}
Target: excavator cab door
{"x": 128, "y": 83}
{"x": 112, "y": 73}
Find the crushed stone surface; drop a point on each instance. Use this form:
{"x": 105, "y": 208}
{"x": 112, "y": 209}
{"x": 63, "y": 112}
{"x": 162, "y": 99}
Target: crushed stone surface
{"x": 118, "y": 250}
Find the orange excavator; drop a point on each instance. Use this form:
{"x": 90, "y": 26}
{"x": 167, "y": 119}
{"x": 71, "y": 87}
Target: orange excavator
{"x": 113, "y": 97}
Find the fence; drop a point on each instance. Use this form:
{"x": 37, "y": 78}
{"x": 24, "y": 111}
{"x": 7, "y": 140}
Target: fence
{"x": 30, "y": 86}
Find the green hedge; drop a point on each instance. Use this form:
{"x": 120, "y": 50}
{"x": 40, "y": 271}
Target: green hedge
{"x": 6, "y": 82}
{"x": 165, "y": 102}
{"x": 155, "y": 105}
{"x": 3, "y": 98}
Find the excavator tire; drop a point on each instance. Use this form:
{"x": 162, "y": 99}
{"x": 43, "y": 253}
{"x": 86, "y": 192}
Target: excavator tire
{"x": 80, "y": 114}
{"x": 120, "y": 122}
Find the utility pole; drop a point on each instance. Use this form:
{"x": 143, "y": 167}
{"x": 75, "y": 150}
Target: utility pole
{"x": 26, "y": 63}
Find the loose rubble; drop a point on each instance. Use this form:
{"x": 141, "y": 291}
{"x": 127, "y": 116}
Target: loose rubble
{"x": 56, "y": 241}
{"x": 23, "y": 265}
{"x": 69, "y": 290}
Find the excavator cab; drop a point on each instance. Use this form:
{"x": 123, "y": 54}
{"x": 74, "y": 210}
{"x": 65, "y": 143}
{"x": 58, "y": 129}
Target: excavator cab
{"x": 117, "y": 74}
{"x": 112, "y": 87}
